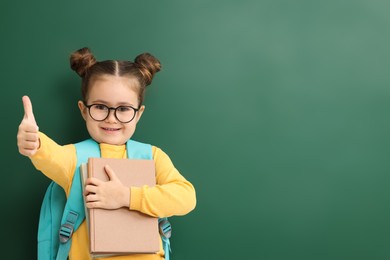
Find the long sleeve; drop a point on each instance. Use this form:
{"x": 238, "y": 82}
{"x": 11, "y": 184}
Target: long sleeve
{"x": 172, "y": 195}
{"x": 55, "y": 161}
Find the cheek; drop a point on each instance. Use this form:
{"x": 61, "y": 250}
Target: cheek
{"x": 130, "y": 129}
{"x": 91, "y": 125}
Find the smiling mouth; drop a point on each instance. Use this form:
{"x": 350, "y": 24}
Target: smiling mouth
{"x": 110, "y": 129}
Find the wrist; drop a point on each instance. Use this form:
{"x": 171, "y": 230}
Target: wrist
{"x": 126, "y": 197}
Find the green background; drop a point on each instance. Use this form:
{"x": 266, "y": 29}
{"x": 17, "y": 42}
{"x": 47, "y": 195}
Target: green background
{"x": 276, "y": 110}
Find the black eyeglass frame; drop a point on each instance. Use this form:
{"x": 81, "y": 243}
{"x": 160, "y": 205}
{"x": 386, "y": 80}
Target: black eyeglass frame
{"x": 109, "y": 110}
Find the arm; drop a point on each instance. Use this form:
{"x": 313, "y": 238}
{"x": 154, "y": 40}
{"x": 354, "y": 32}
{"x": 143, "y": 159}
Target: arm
{"x": 55, "y": 161}
{"x": 173, "y": 194}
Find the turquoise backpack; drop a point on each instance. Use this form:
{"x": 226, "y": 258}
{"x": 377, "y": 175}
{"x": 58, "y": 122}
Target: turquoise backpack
{"x": 60, "y": 217}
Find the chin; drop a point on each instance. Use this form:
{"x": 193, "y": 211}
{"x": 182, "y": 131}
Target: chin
{"x": 110, "y": 140}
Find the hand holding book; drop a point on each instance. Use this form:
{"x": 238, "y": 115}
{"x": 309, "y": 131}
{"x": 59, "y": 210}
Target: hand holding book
{"x": 111, "y": 194}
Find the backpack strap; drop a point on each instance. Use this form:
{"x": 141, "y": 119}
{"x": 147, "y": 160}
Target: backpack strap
{"x": 137, "y": 150}
{"x": 165, "y": 230}
{"x": 74, "y": 213}
{"x": 49, "y": 221}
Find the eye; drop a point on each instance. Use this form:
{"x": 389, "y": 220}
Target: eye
{"x": 100, "y": 107}
{"x": 124, "y": 109}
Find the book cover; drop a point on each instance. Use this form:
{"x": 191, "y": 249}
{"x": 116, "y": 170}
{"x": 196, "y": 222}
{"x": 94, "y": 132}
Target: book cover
{"x": 122, "y": 231}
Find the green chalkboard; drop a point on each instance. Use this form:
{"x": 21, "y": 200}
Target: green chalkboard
{"x": 276, "y": 110}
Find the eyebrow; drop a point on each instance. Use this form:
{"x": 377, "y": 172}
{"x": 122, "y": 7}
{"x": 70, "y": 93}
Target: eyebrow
{"x": 101, "y": 101}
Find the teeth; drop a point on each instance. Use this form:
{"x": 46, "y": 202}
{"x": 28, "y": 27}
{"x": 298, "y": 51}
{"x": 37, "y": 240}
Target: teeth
{"x": 110, "y": 129}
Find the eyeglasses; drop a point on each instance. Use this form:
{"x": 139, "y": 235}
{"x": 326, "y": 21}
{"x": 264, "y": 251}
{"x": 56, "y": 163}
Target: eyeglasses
{"x": 100, "y": 112}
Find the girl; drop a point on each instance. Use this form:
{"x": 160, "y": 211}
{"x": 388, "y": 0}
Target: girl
{"x": 111, "y": 105}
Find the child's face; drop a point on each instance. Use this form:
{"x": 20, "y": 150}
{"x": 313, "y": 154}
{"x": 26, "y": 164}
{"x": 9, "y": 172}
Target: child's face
{"x": 112, "y": 91}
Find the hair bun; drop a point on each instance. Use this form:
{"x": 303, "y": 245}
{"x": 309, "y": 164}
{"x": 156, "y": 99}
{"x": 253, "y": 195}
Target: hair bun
{"x": 81, "y": 60}
{"x": 148, "y": 66}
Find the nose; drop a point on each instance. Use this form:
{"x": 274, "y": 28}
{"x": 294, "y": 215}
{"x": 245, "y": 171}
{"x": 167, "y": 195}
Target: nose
{"x": 111, "y": 115}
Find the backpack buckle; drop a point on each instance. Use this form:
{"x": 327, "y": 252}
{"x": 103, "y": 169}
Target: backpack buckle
{"x": 165, "y": 228}
{"x": 66, "y": 229}
{"x": 66, "y": 232}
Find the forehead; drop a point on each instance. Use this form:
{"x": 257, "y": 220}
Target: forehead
{"x": 113, "y": 88}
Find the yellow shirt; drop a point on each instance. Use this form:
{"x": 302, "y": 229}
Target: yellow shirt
{"x": 172, "y": 195}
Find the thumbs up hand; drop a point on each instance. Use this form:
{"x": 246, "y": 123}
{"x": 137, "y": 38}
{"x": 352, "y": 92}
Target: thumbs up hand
{"x": 28, "y": 137}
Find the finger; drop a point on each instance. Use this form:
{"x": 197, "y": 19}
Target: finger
{"x": 27, "y": 152}
{"x": 93, "y": 205}
{"x": 27, "y": 145}
{"x": 28, "y": 126}
{"x": 90, "y": 189}
{"x": 31, "y": 137}
{"x": 93, "y": 181}
{"x": 27, "y": 136}
{"x": 91, "y": 198}
{"x": 110, "y": 173}
{"x": 27, "y": 140}
{"x": 28, "y": 110}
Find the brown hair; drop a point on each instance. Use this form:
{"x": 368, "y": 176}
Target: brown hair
{"x": 144, "y": 67}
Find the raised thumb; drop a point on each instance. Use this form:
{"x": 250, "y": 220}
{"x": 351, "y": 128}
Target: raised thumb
{"x": 28, "y": 110}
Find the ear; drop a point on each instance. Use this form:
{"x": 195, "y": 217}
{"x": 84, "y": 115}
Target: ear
{"x": 83, "y": 109}
{"x": 139, "y": 113}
